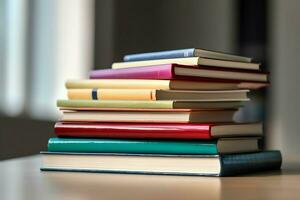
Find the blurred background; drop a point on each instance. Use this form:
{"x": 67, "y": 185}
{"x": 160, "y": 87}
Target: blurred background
{"x": 45, "y": 42}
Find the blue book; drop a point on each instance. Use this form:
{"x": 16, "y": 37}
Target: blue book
{"x": 162, "y": 164}
{"x": 183, "y": 53}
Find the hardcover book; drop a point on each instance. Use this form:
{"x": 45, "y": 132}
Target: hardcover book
{"x": 219, "y": 146}
{"x": 158, "y": 116}
{"x": 192, "y": 61}
{"x": 145, "y": 105}
{"x": 153, "y": 95}
{"x": 176, "y": 71}
{"x": 188, "y": 165}
{"x": 183, "y": 53}
{"x": 169, "y": 131}
{"x": 160, "y": 84}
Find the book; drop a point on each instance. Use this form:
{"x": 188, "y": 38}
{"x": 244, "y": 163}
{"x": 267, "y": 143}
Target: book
{"x": 145, "y": 105}
{"x": 157, "y": 130}
{"x": 153, "y": 95}
{"x": 99, "y": 145}
{"x": 160, "y": 84}
{"x": 192, "y": 61}
{"x": 182, "y": 53}
{"x": 171, "y": 115}
{"x": 175, "y": 71}
{"x": 188, "y": 165}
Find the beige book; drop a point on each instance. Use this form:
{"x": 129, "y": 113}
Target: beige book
{"x": 159, "y": 84}
{"x": 191, "y": 61}
{"x": 202, "y": 116}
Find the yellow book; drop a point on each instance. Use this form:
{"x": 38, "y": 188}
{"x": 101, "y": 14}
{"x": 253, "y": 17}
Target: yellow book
{"x": 152, "y": 95}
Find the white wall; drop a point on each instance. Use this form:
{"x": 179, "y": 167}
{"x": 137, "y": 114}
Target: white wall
{"x": 142, "y": 26}
{"x": 284, "y": 99}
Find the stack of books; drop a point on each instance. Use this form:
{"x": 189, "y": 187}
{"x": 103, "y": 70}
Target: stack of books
{"x": 168, "y": 112}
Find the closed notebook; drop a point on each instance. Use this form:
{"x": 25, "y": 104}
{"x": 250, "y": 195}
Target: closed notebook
{"x": 183, "y": 53}
{"x": 153, "y": 95}
{"x": 162, "y": 164}
{"x": 192, "y": 61}
{"x": 160, "y": 84}
{"x": 149, "y": 116}
{"x": 220, "y": 146}
{"x": 75, "y": 104}
{"x": 169, "y": 131}
{"x": 176, "y": 71}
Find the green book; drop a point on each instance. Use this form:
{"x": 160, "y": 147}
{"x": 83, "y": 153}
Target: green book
{"x": 163, "y": 104}
{"x": 225, "y": 145}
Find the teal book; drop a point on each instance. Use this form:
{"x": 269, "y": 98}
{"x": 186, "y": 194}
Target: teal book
{"x": 211, "y": 147}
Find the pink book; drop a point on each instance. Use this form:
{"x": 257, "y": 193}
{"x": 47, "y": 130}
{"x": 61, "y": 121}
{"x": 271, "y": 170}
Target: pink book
{"x": 175, "y": 71}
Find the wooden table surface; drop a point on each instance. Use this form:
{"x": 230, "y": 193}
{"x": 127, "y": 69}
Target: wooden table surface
{"x": 22, "y": 179}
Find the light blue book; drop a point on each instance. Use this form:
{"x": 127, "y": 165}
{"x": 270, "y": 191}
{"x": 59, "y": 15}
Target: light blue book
{"x": 183, "y": 53}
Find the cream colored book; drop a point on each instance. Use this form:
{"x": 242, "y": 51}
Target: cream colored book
{"x": 191, "y": 61}
{"x": 159, "y": 84}
{"x": 157, "y": 116}
{"x": 166, "y": 164}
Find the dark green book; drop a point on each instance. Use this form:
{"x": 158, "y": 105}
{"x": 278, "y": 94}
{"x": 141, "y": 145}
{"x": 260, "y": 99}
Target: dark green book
{"x": 220, "y": 146}
{"x": 166, "y": 164}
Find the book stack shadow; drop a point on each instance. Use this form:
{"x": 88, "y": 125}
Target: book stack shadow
{"x": 169, "y": 112}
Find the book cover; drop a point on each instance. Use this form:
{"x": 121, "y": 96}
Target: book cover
{"x": 115, "y": 104}
{"x": 113, "y": 94}
{"x": 180, "y": 53}
{"x": 133, "y": 130}
{"x": 247, "y": 163}
{"x": 148, "y": 72}
{"x": 131, "y": 146}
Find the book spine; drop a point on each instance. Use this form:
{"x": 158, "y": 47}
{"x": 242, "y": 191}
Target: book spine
{"x": 247, "y": 163}
{"x": 149, "y": 72}
{"x": 131, "y": 146}
{"x": 115, "y": 104}
{"x": 129, "y": 130}
{"x": 182, "y": 53}
{"x": 112, "y": 94}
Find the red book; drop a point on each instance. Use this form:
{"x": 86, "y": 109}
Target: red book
{"x": 156, "y": 130}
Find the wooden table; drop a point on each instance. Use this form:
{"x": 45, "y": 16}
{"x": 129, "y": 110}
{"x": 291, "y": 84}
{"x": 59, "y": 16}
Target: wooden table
{"x": 22, "y": 179}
